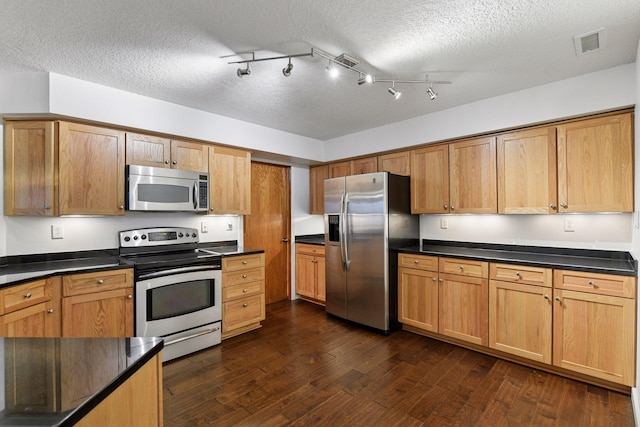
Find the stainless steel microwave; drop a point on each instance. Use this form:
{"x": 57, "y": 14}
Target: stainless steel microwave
{"x": 160, "y": 189}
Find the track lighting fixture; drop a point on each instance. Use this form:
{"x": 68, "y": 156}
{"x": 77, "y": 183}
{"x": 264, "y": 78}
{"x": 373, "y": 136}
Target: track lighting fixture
{"x": 335, "y": 62}
{"x": 431, "y": 93}
{"x": 287, "y": 70}
{"x": 396, "y": 94}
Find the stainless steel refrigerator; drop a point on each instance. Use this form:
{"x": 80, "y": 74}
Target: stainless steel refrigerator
{"x": 366, "y": 217}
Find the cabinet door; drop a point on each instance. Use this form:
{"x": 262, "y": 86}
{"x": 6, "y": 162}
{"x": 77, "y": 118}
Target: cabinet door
{"x": 595, "y": 335}
{"x": 362, "y": 166}
{"x": 418, "y": 298}
{"x": 189, "y": 156}
{"x": 30, "y": 156}
{"x": 91, "y": 170}
{"x": 464, "y": 304}
{"x": 430, "y": 180}
{"x": 321, "y": 288}
{"x": 229, "y": 181}
{"x": 595, "y": 165}
{"x": 317, "y": 175}
{"x": 36, "y": 321}
{"x": 305, "y": 275}
{"x": 527, "y": 172}
{"x": 472, "y": 175}
{"x": 339, "y": 169}
{"x": 520, "y": 320}
{"x": 147, "y": 150}
{"x": 396, "y": 163}
{"x": 101, "y": 314}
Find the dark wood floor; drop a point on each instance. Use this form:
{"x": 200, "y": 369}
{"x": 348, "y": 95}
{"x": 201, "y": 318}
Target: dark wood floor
{"x": 304, "y": 368}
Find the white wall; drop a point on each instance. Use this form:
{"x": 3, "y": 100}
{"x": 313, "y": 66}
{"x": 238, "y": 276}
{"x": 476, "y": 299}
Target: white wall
{"x": 635, "y": 250}
{"x": 3, "y": 226}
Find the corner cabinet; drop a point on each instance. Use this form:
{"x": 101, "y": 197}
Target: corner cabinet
{"x": 243, "y": 300}
{"x": 310, "y": 274}
{"x": 229, "y": 181}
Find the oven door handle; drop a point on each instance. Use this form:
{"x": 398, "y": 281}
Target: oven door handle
{"x": 177, "y": 340}
{"x": 177, "y": 271}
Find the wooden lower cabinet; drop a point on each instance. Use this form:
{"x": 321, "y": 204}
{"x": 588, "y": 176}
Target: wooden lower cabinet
{"x": 31, "y": 309}
{"x": 310, "y": 272}
{"x": 243, "y": 299}
{"x": 98, "y": 304}
{"x": 418, "y": 298}
{"x": 464, "y": 303}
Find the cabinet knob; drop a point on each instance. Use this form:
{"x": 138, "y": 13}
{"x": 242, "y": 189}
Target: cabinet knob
{"x": 245, "y": 290}
{"x": 50, "y": 311}
{"x": 174, "y": 163}
{"x": 563, "y": 205}
{"x": 558, "y": 299}
{"x": 415, "y": 261}
{"x": 130, "y": 296}
{"x": 462, "y": 268}
{"x": 166, "y": 162}
{"x": 591, "y": 283}
{"x": 46, "y": 207}
{"x": 552, "y": 206}
{"x": 100, "y": 281}
{"x": 27, "y": 295}
{"x": 546, "y": 297}
{"x": 446, "y": 207}
{"x": 244, "y": 276}
{"x": 244, "y": 262}
{"x": 440, "y": 280}
{"x": 245, "y": 305}
{"x": 518, "y": 274}
{"x": 434, "y": 279}
{"x": 121, "y": 207}
{"x": 452, "y": 207}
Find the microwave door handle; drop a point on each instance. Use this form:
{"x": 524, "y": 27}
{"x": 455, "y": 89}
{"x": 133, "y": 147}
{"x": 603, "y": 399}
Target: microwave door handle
{"x": 195, "y": 195}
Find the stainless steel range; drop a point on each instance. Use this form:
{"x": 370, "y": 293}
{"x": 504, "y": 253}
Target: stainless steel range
{"x": 178, "y": 288}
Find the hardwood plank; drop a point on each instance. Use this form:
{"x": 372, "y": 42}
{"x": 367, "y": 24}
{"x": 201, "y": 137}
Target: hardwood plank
{"x": 306, "y": 368}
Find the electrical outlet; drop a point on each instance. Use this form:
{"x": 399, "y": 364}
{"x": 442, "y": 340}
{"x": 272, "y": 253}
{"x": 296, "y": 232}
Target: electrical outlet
{"x": 204, "y": 227}
{"x": 444, "y": 223}
{"x": 57, "y": 231}
{"x": 229, "y": 226}
{"x": 569, "y": 225}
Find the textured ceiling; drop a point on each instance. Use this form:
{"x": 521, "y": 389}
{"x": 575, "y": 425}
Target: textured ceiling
{"x": 177, "y": 51}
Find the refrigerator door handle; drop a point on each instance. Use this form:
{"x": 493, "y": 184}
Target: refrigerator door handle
{"x": 347, "y": 232}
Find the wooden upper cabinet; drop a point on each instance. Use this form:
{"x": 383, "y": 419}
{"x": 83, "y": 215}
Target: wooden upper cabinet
{"x": 527, "y": 172}
{"x": 595, "y": 165}
{"x": 91, "y": 170}
{"x": 229, "y": 181}
{"x": 189, "y": 156}
{"x": 362, "y": 166}
{"x": 396, "y": 163}
{"x": 147, "y": 150}
{"x": 337, "y": 170}
{"x": 30, "y": 158}
{"x": 317, "y": 175}
{"x": 430, "y": 180}
{"x": 472, "y": 169}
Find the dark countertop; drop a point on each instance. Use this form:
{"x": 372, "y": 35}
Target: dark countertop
{"x": 94, "y": 367}
{"x": 311, "y": 239}
{"x": 590, "y": 260}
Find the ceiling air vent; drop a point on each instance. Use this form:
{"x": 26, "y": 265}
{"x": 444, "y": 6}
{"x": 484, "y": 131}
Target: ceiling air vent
{"x": 590, "y": 42}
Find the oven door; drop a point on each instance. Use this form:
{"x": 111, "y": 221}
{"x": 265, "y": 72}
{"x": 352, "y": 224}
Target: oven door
{"x": 176, "y": 304}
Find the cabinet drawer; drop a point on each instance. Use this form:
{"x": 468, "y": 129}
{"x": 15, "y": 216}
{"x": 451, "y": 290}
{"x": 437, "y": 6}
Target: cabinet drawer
{"x": 242, "y": 276}
{"x": 303, "y": 248}
{"x": 420, "y": 262}
{"x": 242, "y": 262}
{"x": 25, "y": 295}
{"x": 242, "y": 312}
{"x": 243, "y": 290}
{"x": 605, "y": 284}
{"x": 464, "y": 267}
{"x": 521, "y": 274}
{"x": 86, "y": 283}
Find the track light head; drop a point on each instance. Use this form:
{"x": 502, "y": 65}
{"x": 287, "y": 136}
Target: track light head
{"x": 365, "y": 78}
{"x": 243, "y": 71}
{"x": 396, "y": 94}
{"x": 287, "y": 70}
{"x": 431, "y": 93}
{"x": 333, "y": 71}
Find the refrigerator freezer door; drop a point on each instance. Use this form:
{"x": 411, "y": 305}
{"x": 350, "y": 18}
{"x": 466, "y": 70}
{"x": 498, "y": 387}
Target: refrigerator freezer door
{"x": 335, "y": 274}
{"x": 367, "y": 290}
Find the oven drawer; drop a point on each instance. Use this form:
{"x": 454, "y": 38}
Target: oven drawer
{"x": 242, "y": 312}
{"x": 242, "y": 290}
{"x": 243, "y": 262}
{"x": 87, "y": 283}
{"x": 240, "y": 277}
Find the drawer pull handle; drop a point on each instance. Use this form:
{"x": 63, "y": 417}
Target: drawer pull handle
{"x": 462, "y": 267}
{"x": 244, "y": 276}
{"x": 591, "y": 283}
{"x": 244, "y": 262}
{"x": 27, "y": 295}
{"x": 245, "y": 290}
{"x": 245, "y": 305}
{"x": 50, "y": 311}
{"x": 518, "y": 274}
{"x": 100, "y": 281}
{"x": 415, "y": 261}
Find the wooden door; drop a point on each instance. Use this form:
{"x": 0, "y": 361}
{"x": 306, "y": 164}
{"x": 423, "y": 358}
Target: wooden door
{"x": 520, "y": 320}
{"x": 91, "y": 175}
{"x": 397, "y": 163}
{"x": 527, "y": 181}
{"x": 418, "y": 298}
{"x": 268, "y": 226}
{"x": 464, "y": 305}
{"x": 36, "y": 321}
{"x": 595, "y": 335}
{"x": 230, "y": 181}
{"x": 100, "y": 314}
{"x": 430, "y": 180}
{"x": 595, "y": 165}
{"x": 147, "y": 150}
{"x": 362, "y": 166}
{"x": 30, "y": 159}
{"x": 472, "y": 179}
{"x": 317, "y": 175}
{"x": 189, "y": 156}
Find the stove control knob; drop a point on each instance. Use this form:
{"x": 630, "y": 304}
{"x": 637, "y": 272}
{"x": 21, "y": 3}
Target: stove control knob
{"x": 127, "y": 238}
{"x": 194, "y": 235}
{"x": 143, "y": 237}
{"x": 135, "y": 237}
{"x": 180, "y": 235}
